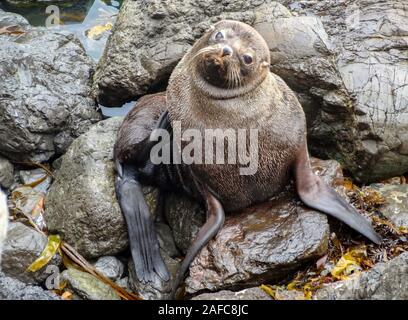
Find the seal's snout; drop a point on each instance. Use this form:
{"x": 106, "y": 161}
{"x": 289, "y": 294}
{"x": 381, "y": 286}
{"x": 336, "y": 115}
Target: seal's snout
{"x": 226, "y": 51}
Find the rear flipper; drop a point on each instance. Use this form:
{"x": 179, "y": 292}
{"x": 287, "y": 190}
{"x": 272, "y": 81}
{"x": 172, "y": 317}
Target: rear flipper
{"x": 144, "y": 244}
{"x": 318, "y": 195}
{"x": 215, "y": 220}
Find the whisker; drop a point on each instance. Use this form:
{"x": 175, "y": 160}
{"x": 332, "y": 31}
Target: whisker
{"x": 202, "y": 51}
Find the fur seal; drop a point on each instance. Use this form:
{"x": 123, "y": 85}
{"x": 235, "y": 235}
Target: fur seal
{"x": 223, "y": 81}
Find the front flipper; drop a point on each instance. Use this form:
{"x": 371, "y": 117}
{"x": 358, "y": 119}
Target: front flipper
{"x": 315, "y": 193}
{"x": 144, "y": 244}
{"x": 215, "y": 220}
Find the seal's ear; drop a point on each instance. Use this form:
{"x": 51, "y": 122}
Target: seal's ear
{"x": 265, "y": 64}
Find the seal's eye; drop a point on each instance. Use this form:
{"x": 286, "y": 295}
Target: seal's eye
{"x": 219, "y": 35}
{"x": 247, "y": 59}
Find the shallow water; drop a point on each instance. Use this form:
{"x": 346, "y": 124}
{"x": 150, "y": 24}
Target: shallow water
{"x": 76, "y": 16}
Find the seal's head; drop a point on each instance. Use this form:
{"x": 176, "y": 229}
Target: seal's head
{"x": 230, "y": 59}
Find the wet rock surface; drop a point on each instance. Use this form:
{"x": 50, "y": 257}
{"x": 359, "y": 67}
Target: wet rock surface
{"x": 395, "y": 207}
{"x": 26, "y": 199}
{"x": 262, "y": 244}
{"x": 362, "y": 121}
{"x": 37, "y": 177}
{"x": 45, "y": 84}
{"x": 22, "y": 247}
{"x": 4, "y": 217}
{"x": 185, "y": 218}
{"x": 87, "y": 286}
{"x": 246, "y": 294}
{"x": 6, "y": 173}
{"x": 13, "y": 289}
{"x": 158, "y": 289}
{"x": 386, "y": 281}
{"x": 81, "y": 204}
{"x": 110, "y": 267}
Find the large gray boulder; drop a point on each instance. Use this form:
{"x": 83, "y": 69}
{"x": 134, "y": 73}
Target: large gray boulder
{"x": 345, "y": 60}
{"x": 45, "y": 82}
{"x": 386, "y": 281}
{"x": 22, "y": 247}
{"x": 81, "y": 204}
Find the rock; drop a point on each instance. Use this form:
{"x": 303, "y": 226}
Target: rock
{"x": 31, "y": 176}
{"x": 158, "y": 290}
{"x": 45, "y": 84}
{"x": 185, "y": 218}
{"x": 246, "y": 294}
{"x": 124, "y": 283}
{"x": 13, "y": 19}
{"x": 160, "y": 33}
{"x": 13, "y": 289}
{"x": 396, "y": 202}
{"x": 282, "y": 293}
{"x": 110, "y": 267}
{"x": 386, "y": 281}
{"x": 6, "y": 173}
{"x": 81, "y": 204}
{"x": 22, "y": 247}
{"x": 3, "y": 221}
{"x": 87, "y": 286}
{"x": 260, "y": 247}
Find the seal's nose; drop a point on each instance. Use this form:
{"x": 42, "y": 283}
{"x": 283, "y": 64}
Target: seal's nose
{"x": 226, "y": 51}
